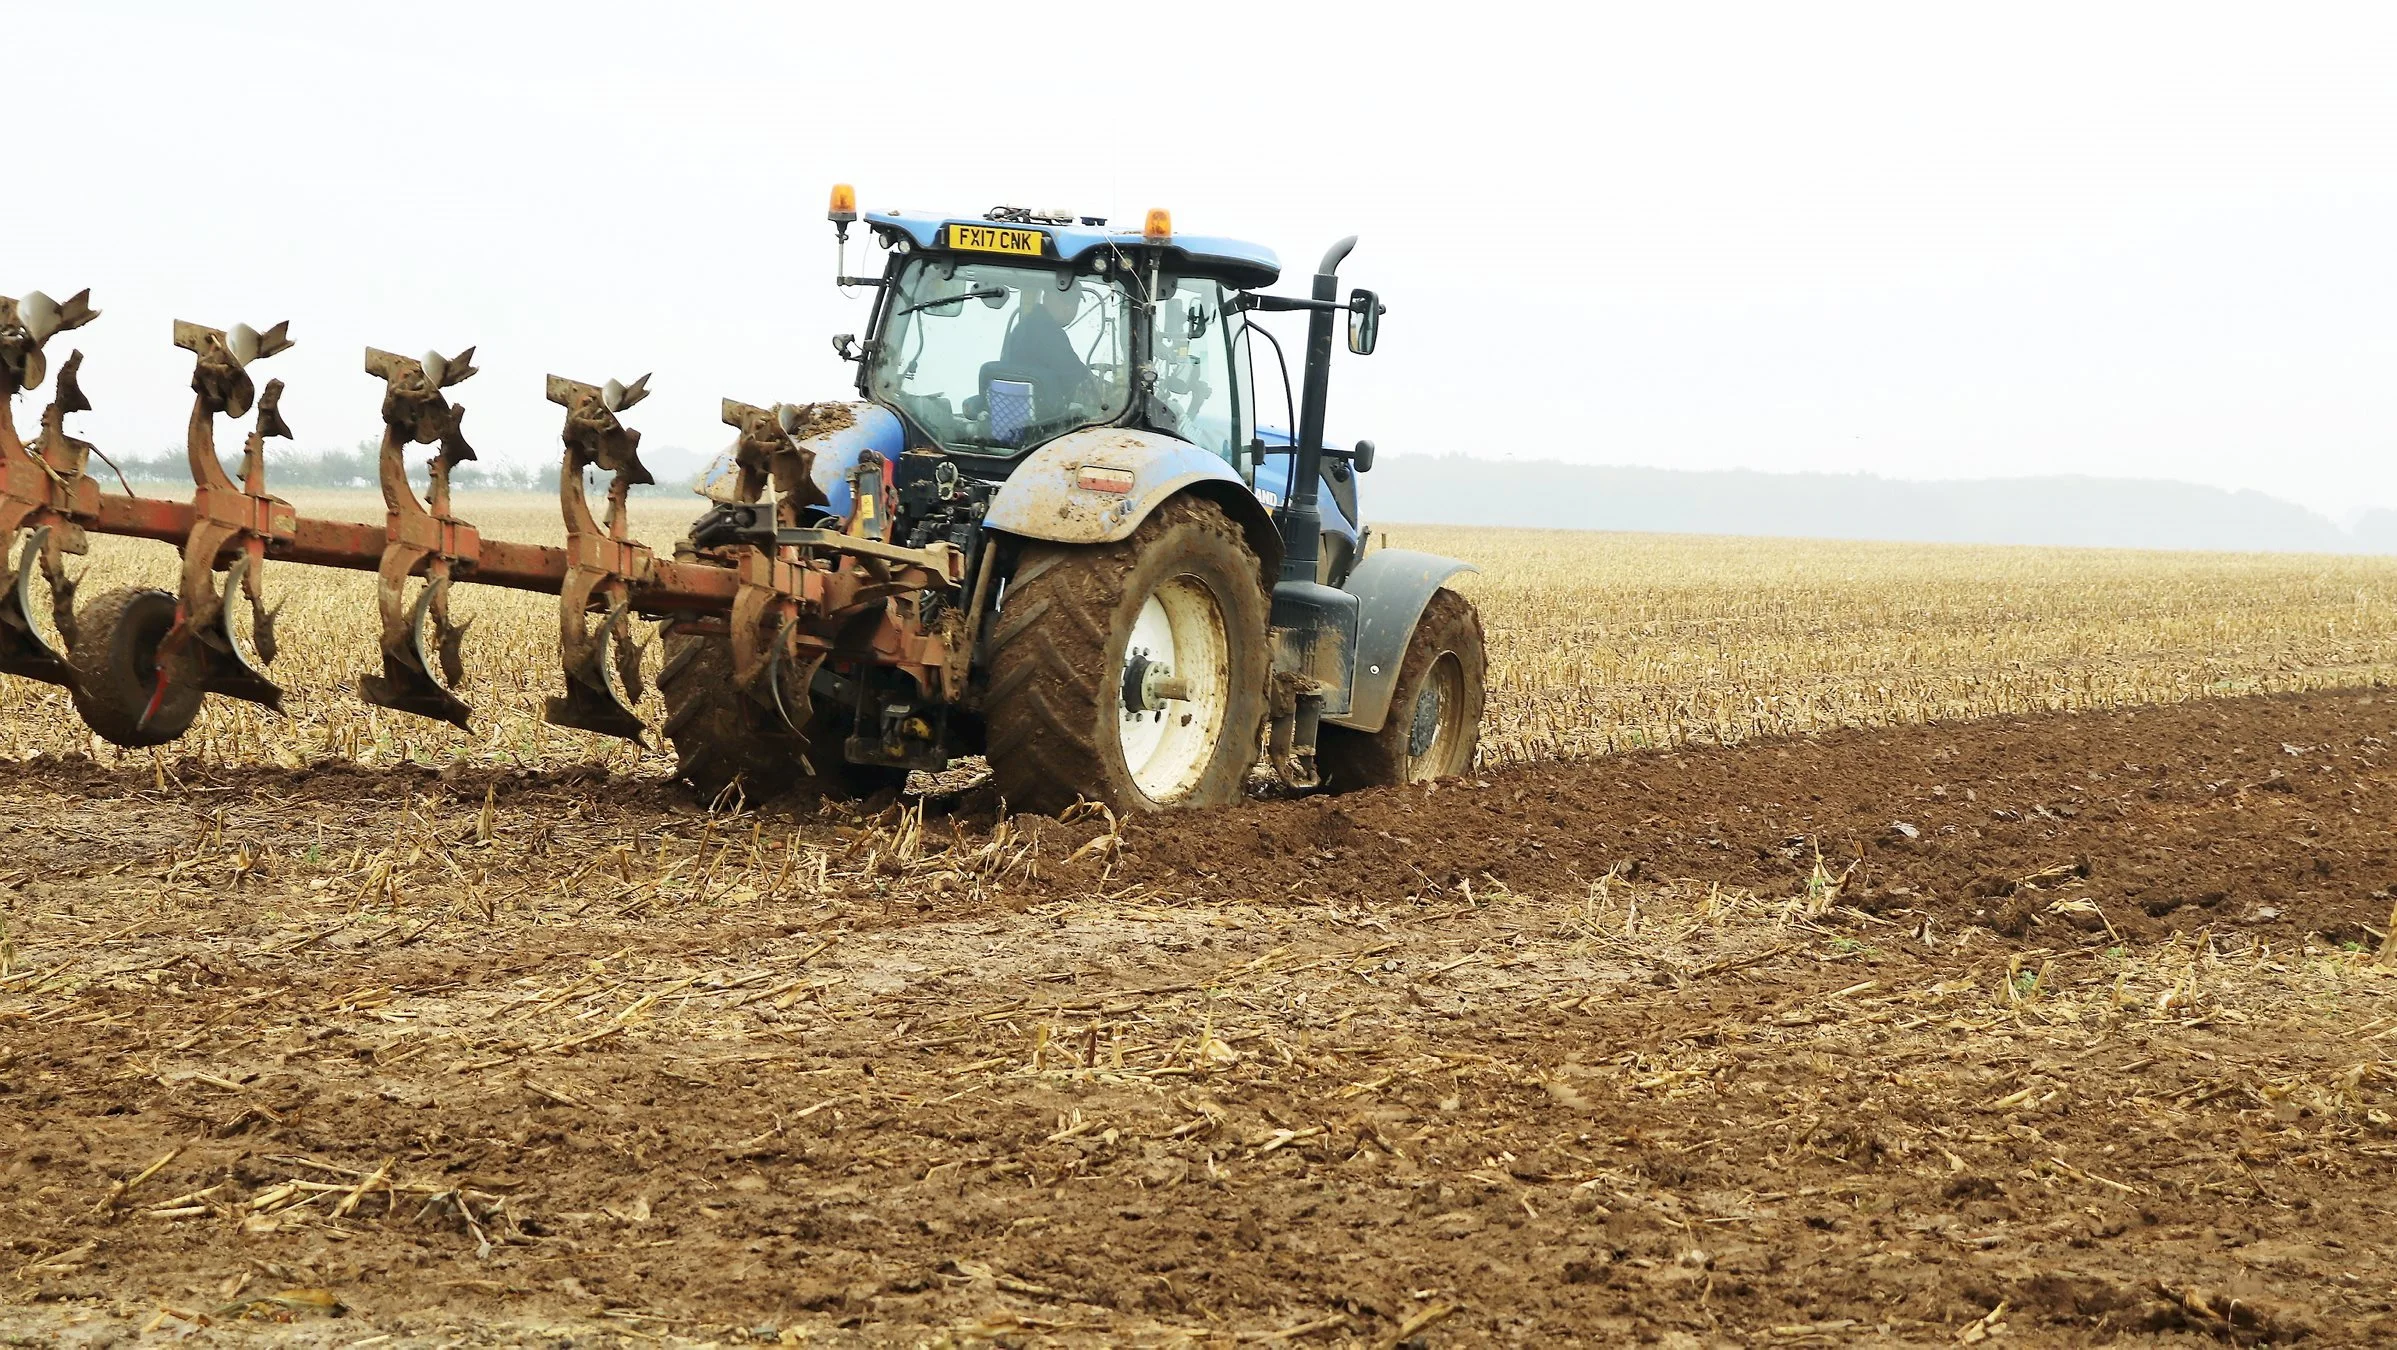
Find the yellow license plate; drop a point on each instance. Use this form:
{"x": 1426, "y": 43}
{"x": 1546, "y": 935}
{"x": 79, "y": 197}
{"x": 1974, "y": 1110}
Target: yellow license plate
{"x": 998, "y": 239}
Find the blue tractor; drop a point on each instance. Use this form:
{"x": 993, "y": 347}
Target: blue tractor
{"x": 1155, "y": 588}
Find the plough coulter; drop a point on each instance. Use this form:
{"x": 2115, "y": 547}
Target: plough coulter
{"x": 139, "y": 661}
{"x": 1047, "y": 530}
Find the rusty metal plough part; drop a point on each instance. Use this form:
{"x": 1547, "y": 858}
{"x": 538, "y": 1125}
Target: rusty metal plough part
{"x": 42, "y": 487}
{"x": 798, "y": 598}
{"x": 790, "y": 599}
{"x": 767, "y": 661}
{"x": 604, "y": 564}
{"x": 420, "y": 540}
{"x": 233, "y": 524}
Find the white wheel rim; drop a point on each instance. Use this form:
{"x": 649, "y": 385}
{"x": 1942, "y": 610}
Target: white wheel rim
{"x": 1167, "y": 748}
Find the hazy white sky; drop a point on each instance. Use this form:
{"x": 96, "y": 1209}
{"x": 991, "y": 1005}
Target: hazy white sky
{"x": 1911, "y": 239}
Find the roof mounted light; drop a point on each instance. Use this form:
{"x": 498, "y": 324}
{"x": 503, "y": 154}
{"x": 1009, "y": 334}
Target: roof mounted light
{"x": 1160, "y": 226}
{"x": 842, "y": 212}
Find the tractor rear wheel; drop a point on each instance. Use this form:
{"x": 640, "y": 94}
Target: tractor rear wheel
{"x": 1133, "y": 673}
{"x": 722, "y": 737}
{"x": 1434, "y": 724}
{"x": 115, "y": 659}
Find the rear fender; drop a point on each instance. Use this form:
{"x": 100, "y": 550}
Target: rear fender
{"x": 1392, "y": 586}
{"x": 1043, "y": 498}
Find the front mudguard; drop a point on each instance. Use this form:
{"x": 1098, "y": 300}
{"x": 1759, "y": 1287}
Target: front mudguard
{"x": 1392, "y": 586}
{"x": 1044, "y": 496}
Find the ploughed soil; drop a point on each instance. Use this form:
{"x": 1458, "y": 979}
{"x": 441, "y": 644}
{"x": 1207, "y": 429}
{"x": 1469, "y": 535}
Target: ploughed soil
{"x": 2071, "y": 1028}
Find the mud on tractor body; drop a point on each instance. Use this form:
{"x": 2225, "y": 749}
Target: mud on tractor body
{"x": 1049, "y": 531}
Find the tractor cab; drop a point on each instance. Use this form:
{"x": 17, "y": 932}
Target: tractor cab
{"x": 993, "y": 336}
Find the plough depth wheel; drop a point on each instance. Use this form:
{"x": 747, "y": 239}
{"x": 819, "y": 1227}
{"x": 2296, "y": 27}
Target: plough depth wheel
{"x": 115, "y": 659}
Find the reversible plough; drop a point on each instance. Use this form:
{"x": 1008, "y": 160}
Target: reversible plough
{"x": 790, "y": 601}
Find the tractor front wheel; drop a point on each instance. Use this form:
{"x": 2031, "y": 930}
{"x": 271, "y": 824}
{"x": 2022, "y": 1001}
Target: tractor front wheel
{"x": 1434, "y": 724}
{"x": 1133, "y": 673}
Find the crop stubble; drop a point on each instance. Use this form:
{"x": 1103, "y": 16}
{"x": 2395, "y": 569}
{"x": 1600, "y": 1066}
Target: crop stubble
{"x": 1598, "y": 641}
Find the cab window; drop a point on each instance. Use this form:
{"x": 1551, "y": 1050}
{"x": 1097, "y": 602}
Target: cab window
{"x": 1197, "y": 394}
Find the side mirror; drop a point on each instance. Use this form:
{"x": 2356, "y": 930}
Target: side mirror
{"x": 1341, "y": 461}
{"x": 1365, "y": 310}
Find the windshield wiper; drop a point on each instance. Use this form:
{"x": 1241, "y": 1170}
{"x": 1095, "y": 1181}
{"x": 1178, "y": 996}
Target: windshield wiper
{"x": 978, "y": 293}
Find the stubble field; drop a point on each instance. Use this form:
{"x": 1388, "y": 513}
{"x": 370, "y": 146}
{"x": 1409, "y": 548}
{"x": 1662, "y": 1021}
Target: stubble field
{"x": 1839, "y": 943}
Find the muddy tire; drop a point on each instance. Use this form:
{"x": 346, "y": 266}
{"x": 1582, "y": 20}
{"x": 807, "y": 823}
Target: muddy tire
{"x": 1082, "y": 624}
{"x": 116, "y": 668}
{"x": 1434, "y": 725}
{"x": 722, "y": 737}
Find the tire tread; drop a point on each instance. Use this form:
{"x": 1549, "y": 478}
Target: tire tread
{"x": 1048, "y": 672}
{"x": 109, "y": 693}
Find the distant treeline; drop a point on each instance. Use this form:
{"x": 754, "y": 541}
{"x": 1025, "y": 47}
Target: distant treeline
{"x": 357, "y": 467}
{"x": 2057, "y": 510}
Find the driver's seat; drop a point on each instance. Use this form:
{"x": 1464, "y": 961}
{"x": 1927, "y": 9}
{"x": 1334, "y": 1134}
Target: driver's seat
{"x": 1008, "y": 398}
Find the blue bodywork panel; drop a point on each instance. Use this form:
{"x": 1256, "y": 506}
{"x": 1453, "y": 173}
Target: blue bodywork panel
{"x": 874, "y": 428}
{"x": 1273, "y": 484}
{"x": 1245, "y": 265}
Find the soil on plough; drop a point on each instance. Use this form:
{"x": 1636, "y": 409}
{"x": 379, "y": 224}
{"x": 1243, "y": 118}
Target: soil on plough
{"x": 2065, "y": 1028}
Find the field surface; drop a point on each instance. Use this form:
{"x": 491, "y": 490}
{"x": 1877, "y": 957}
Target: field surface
{"x": 1598, "y": 642}
{"x": 2060, "y": 1027}
{"x": 1839, "y": 943}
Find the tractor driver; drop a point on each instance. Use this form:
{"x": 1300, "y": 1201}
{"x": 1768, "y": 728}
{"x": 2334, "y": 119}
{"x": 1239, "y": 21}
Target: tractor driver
{"x": 1039, "y": 348}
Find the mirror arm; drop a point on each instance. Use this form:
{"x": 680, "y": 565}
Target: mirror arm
{"x": 1283, "y": 303}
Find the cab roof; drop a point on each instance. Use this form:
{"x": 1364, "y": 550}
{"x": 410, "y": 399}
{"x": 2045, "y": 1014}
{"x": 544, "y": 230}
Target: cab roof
{"x": 1242, "y": 264}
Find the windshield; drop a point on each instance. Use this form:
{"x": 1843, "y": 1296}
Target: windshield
{"x": 988, "y": 358}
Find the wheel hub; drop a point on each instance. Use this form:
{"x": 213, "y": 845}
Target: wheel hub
{"x": 1425, "y": 729}
{"x": 1150, "y": 684}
